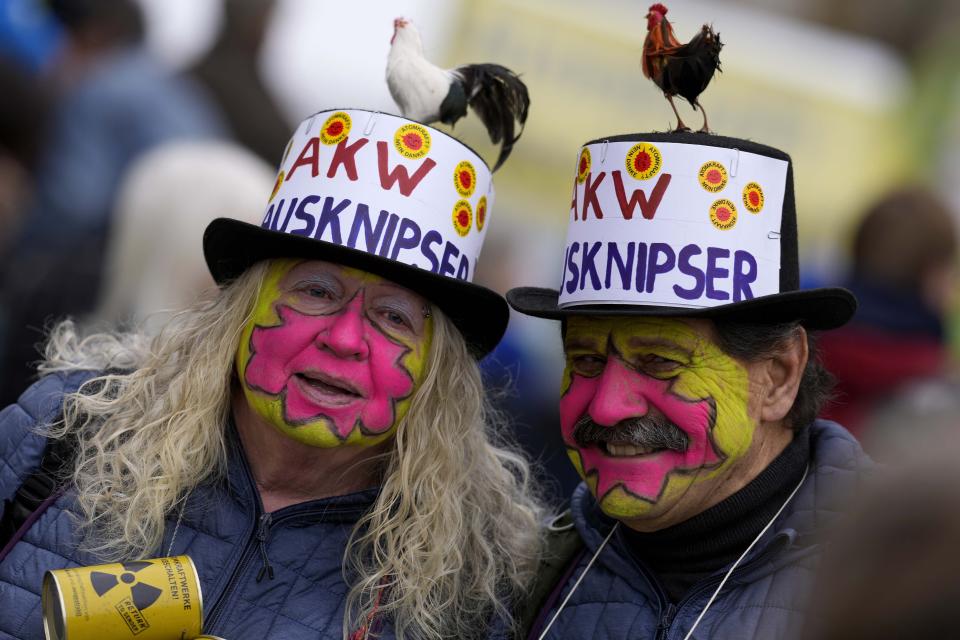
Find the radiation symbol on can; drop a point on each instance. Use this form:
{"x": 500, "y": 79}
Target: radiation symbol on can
{"x": 723, "y": 214}
{"x": 481, "y": 213}
{"x": 336, "y": 128}
{"x": 643, "y": 161}
{"x": 712, "y": 176}
{"x": 276, "y": 185}
{"x": 462, "y": 217}
{"x": 583, "y": 165}
{"x": 412, "y": 141}
{"x": 465, "y": 179}
{"x": 143, "y": 595}
{"x": 753, "y": 197}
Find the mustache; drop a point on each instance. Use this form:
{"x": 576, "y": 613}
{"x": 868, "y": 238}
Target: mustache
{"x": 652, "y": 431}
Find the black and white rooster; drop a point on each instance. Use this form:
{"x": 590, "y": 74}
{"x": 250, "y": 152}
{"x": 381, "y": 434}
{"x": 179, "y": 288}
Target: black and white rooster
{"x": 427, "y": 93}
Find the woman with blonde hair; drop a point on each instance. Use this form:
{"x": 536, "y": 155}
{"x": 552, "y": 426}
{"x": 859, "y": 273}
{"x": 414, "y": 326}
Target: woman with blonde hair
{"x": 315, "y": 435}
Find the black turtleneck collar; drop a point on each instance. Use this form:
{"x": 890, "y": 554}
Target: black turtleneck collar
{"x": 681, "y": 555}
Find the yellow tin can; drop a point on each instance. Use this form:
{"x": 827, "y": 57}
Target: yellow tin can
{"x": 156, "y": 599}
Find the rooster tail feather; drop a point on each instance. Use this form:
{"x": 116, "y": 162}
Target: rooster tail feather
{"x": 454, "y": 105}
{"x": 500, "y": 99}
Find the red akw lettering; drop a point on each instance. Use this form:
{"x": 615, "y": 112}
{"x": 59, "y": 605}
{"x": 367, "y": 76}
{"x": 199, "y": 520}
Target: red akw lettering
{"x": 648, "y": 207}
{"x": 399, "y": 175}
{"x": 310, "y": 155}
{"x": 345, "y": 155}
{"x": 590, "y": 195}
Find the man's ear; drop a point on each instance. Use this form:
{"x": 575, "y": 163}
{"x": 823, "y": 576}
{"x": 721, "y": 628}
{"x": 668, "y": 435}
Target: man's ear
{"x": 783, "y": 373}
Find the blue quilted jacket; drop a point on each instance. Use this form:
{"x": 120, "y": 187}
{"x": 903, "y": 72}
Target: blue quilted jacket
{"x": 766, "y": 595}
{"x": 223, "y": 529}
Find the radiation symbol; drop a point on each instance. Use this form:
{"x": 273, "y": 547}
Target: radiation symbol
{"x": 276, "y": 185}
{"x": 481, "y": 213}
{"x": 723, "y": 214}
{"x": 753, "y": 197}
{"x": 462, "y": 217}
{"x": 713, "y": 176}
{"x": 583, "y": 165}
{"x": 336, "y": 128}
{"x": 143, "y": 595}
{"x": 412, "y": 141}
{"x": 465, "y": 179}
{"x": 643, "y": 161}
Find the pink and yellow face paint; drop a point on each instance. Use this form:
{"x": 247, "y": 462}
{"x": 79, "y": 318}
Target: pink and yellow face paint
{"x": 630, "y": 367}
{"x": 331, "y": 355}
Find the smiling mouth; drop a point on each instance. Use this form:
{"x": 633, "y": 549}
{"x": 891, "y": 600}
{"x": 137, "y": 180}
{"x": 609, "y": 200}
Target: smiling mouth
{"x": 328, "y": 390}
{"x": 626, "y": 450}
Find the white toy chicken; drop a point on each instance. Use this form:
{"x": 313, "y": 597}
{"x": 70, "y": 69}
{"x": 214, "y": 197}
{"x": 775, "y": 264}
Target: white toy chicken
{"x": 427, "y": 93}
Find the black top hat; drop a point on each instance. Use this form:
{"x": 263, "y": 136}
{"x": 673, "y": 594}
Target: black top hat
{"x": 383, "y": 194}
{"x": 723, "y": 170}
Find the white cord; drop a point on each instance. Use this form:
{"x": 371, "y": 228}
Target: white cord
{"x": 719, "y": 587}
{"x": 177, "y": 527}
{"x": 577, "y": 583}
{"x": 744, "y": 554}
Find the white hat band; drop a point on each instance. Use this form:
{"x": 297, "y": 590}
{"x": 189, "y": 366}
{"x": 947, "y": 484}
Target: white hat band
{"x": 387, "y": 186}
{"x": 670, "y": 224}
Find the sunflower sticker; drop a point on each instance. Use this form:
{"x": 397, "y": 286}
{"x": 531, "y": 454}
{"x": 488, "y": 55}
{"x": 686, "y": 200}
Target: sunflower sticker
{"x": 713, "y": 176}
{"x": 412, "y": 141}
{"x": 481, "y": 213}
{"x": 276, "y": 185}
{"x": 465, "y": 179}
{"x": 723, "y": 214}
{"x": 336, "y": 128}
{"x": 462, "y": 217}
{"x": 643, "y": 161}
{"x": 753, "y": 197}
{"x": 583, "y": 165}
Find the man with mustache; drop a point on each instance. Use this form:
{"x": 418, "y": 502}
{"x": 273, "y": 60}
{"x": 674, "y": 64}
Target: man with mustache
{"x": 690, "y": 395}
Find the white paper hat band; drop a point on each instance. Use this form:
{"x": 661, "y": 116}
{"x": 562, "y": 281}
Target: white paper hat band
{"x": 674, "y": 225}
{"x": 386, "y": 186}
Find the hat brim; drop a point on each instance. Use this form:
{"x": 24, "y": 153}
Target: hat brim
{"x": 818, "y": 309}
{"x": 230, "y": 247}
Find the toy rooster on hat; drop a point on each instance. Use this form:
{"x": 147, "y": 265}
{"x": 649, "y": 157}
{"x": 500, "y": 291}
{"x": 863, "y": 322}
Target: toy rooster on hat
{"x": 428, "y": 93}
{"x": 680, "y": 69}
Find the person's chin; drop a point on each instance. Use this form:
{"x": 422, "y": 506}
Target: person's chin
{"x": 319, "y": 433}
{"x": 620, "y": 504}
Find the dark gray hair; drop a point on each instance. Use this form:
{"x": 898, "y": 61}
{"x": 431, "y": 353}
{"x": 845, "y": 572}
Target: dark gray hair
{"x": 751, "y": 342}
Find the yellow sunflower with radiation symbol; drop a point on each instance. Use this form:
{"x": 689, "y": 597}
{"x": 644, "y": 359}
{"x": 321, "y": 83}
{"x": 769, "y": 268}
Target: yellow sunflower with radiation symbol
{"x": 583, "y": 165}
{"x": 643, "y": 161}
{"x": 462, "y": 217}
{"x": 753, "y": 197}
{"x": 412, "y": 141}
{"x": 481, "y": 213}
{"x": 336, "y": 128}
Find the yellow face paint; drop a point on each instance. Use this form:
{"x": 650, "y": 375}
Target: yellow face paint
{"x": 332, "y": 356}
{"x": 650, "y": 408}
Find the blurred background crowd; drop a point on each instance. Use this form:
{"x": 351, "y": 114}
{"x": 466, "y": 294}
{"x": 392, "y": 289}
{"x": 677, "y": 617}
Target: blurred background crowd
{"x": 126, "y": 125}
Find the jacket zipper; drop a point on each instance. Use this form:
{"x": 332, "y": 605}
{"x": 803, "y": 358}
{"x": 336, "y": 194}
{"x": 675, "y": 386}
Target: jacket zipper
{"x": 666, "y": 620}
{"x": 663, "y": 627}
{"x": 248, "y": 549}
{"x": 257, "y": 543}
{"x": 262, "y": 530}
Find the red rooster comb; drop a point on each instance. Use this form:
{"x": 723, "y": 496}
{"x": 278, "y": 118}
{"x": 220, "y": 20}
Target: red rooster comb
{"x": 658, "y": 8}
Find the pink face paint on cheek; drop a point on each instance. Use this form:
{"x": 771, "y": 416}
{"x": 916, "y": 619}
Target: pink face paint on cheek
{"x": 345, "y": 349}
{"x": 619, "y": 392}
